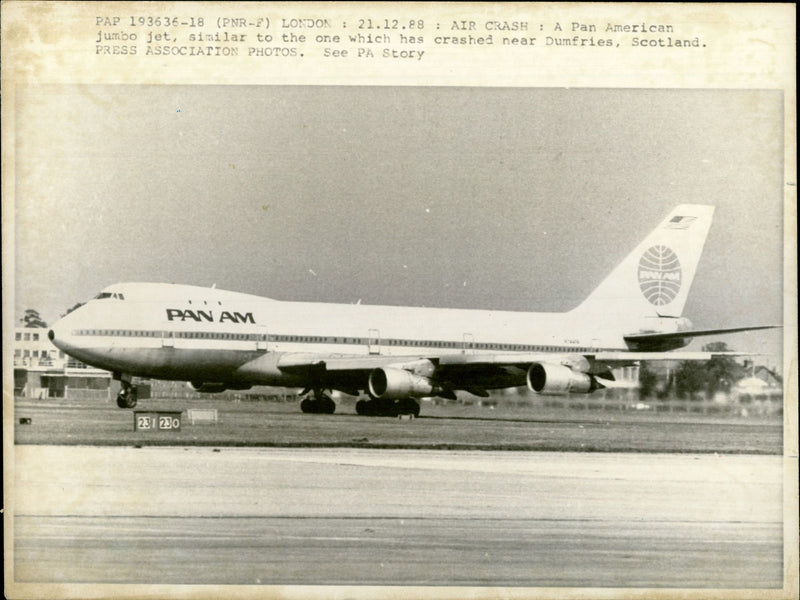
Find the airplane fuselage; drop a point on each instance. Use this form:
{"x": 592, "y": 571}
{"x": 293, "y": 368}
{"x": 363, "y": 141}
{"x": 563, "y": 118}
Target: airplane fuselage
{"x": 191, "y": 333}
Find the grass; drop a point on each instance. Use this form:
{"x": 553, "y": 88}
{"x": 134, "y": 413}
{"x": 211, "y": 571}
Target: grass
{"x": 453, "y": 426}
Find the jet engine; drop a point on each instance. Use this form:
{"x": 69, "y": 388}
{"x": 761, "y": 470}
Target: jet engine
{"x": 557, "y": 380}
{"x": 389, "y": 384}
{"x": 206, "y": 387}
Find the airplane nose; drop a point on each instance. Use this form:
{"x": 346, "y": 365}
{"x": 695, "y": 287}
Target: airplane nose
{"x": 56, "y": 335}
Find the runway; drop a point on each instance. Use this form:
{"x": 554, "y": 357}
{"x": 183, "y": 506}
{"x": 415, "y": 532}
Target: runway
{"x": 397, "y": 517}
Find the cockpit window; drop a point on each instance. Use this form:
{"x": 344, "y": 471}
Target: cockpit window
{"x": 103, "y": 295}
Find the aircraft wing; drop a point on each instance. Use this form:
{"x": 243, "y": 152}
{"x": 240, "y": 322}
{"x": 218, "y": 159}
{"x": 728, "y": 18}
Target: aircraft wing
{"x": 468, "y": 363}
{"x": 475, "y": 373}
{"x": 443, "y": 363}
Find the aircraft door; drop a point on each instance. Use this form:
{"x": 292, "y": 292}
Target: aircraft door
{"x": 374, "y": 341}
{"x": 261, "y": 338}
{"x": 167, "y": 339}
{"x": 468, "y": 344}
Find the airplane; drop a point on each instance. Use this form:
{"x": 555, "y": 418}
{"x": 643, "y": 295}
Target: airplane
{"x": 219, "y": 340}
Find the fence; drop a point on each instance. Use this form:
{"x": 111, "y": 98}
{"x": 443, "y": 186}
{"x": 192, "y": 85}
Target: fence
{"x": 86, "y": 393}
{"x": 672, "y": 405}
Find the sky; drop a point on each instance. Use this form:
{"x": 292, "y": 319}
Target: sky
{"x": 496, "y": 198}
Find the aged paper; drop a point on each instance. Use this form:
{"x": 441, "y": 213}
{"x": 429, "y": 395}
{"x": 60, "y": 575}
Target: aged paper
{"x": 132, "y": 53}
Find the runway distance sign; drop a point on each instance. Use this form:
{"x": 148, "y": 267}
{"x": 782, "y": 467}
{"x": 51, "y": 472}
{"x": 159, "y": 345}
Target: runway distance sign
{"x": 156, "y": 420}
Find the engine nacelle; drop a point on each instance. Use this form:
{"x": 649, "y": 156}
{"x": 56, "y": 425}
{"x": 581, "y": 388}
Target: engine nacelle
{"x": 559, "y": 380}
{"x": 390, "y": 384}
{"x": 206, "y": 387}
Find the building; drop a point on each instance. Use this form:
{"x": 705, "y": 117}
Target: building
{"x": 43, "y": 371}
{"x": 33, "y": 349}
{"x": 761, "y": 393}
{"x": 770, "y": 376}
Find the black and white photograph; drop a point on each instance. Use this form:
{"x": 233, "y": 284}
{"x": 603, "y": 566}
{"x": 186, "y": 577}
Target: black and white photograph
{"x": 314, "y": 339}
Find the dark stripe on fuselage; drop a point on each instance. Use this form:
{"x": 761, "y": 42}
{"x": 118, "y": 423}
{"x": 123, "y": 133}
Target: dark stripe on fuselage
{"x": 304, "y": 339}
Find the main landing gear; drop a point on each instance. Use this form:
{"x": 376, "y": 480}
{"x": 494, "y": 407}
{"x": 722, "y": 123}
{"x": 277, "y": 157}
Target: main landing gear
{"x": 320, "y": 404}
{"x": 388, "y": 408}
{"x": 127, "y": 396}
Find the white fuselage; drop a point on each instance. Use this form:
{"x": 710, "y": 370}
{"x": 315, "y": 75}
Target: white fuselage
{"x": 188, "y": 333}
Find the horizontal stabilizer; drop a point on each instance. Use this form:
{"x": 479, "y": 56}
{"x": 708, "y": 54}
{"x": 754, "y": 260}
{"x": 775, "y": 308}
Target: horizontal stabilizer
{"x": 657, "y": 337}
{"x": 661, "y": 341}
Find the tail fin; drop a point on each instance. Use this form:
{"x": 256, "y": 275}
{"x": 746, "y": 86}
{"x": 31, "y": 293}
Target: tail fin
{"x": 655, "y": 278}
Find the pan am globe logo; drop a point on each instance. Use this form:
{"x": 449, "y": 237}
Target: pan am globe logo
{"x": 659, "y": 275}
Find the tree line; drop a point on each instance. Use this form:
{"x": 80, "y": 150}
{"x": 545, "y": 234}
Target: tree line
{"x": 692, "y": 379}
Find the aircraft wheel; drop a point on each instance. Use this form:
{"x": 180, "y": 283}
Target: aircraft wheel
{"x": 127, "y": 398}
{"x": 409, "y": 406}
{"x": 387, "y": 408}
{"x": 327, "y": 406}
{"x": 126, "y": 402}
{"x": 307, "y": 405}
{"x": 372, "y": 408}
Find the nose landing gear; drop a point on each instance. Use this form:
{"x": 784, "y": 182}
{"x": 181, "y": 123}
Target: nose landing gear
{"x": 127, "y": 396}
